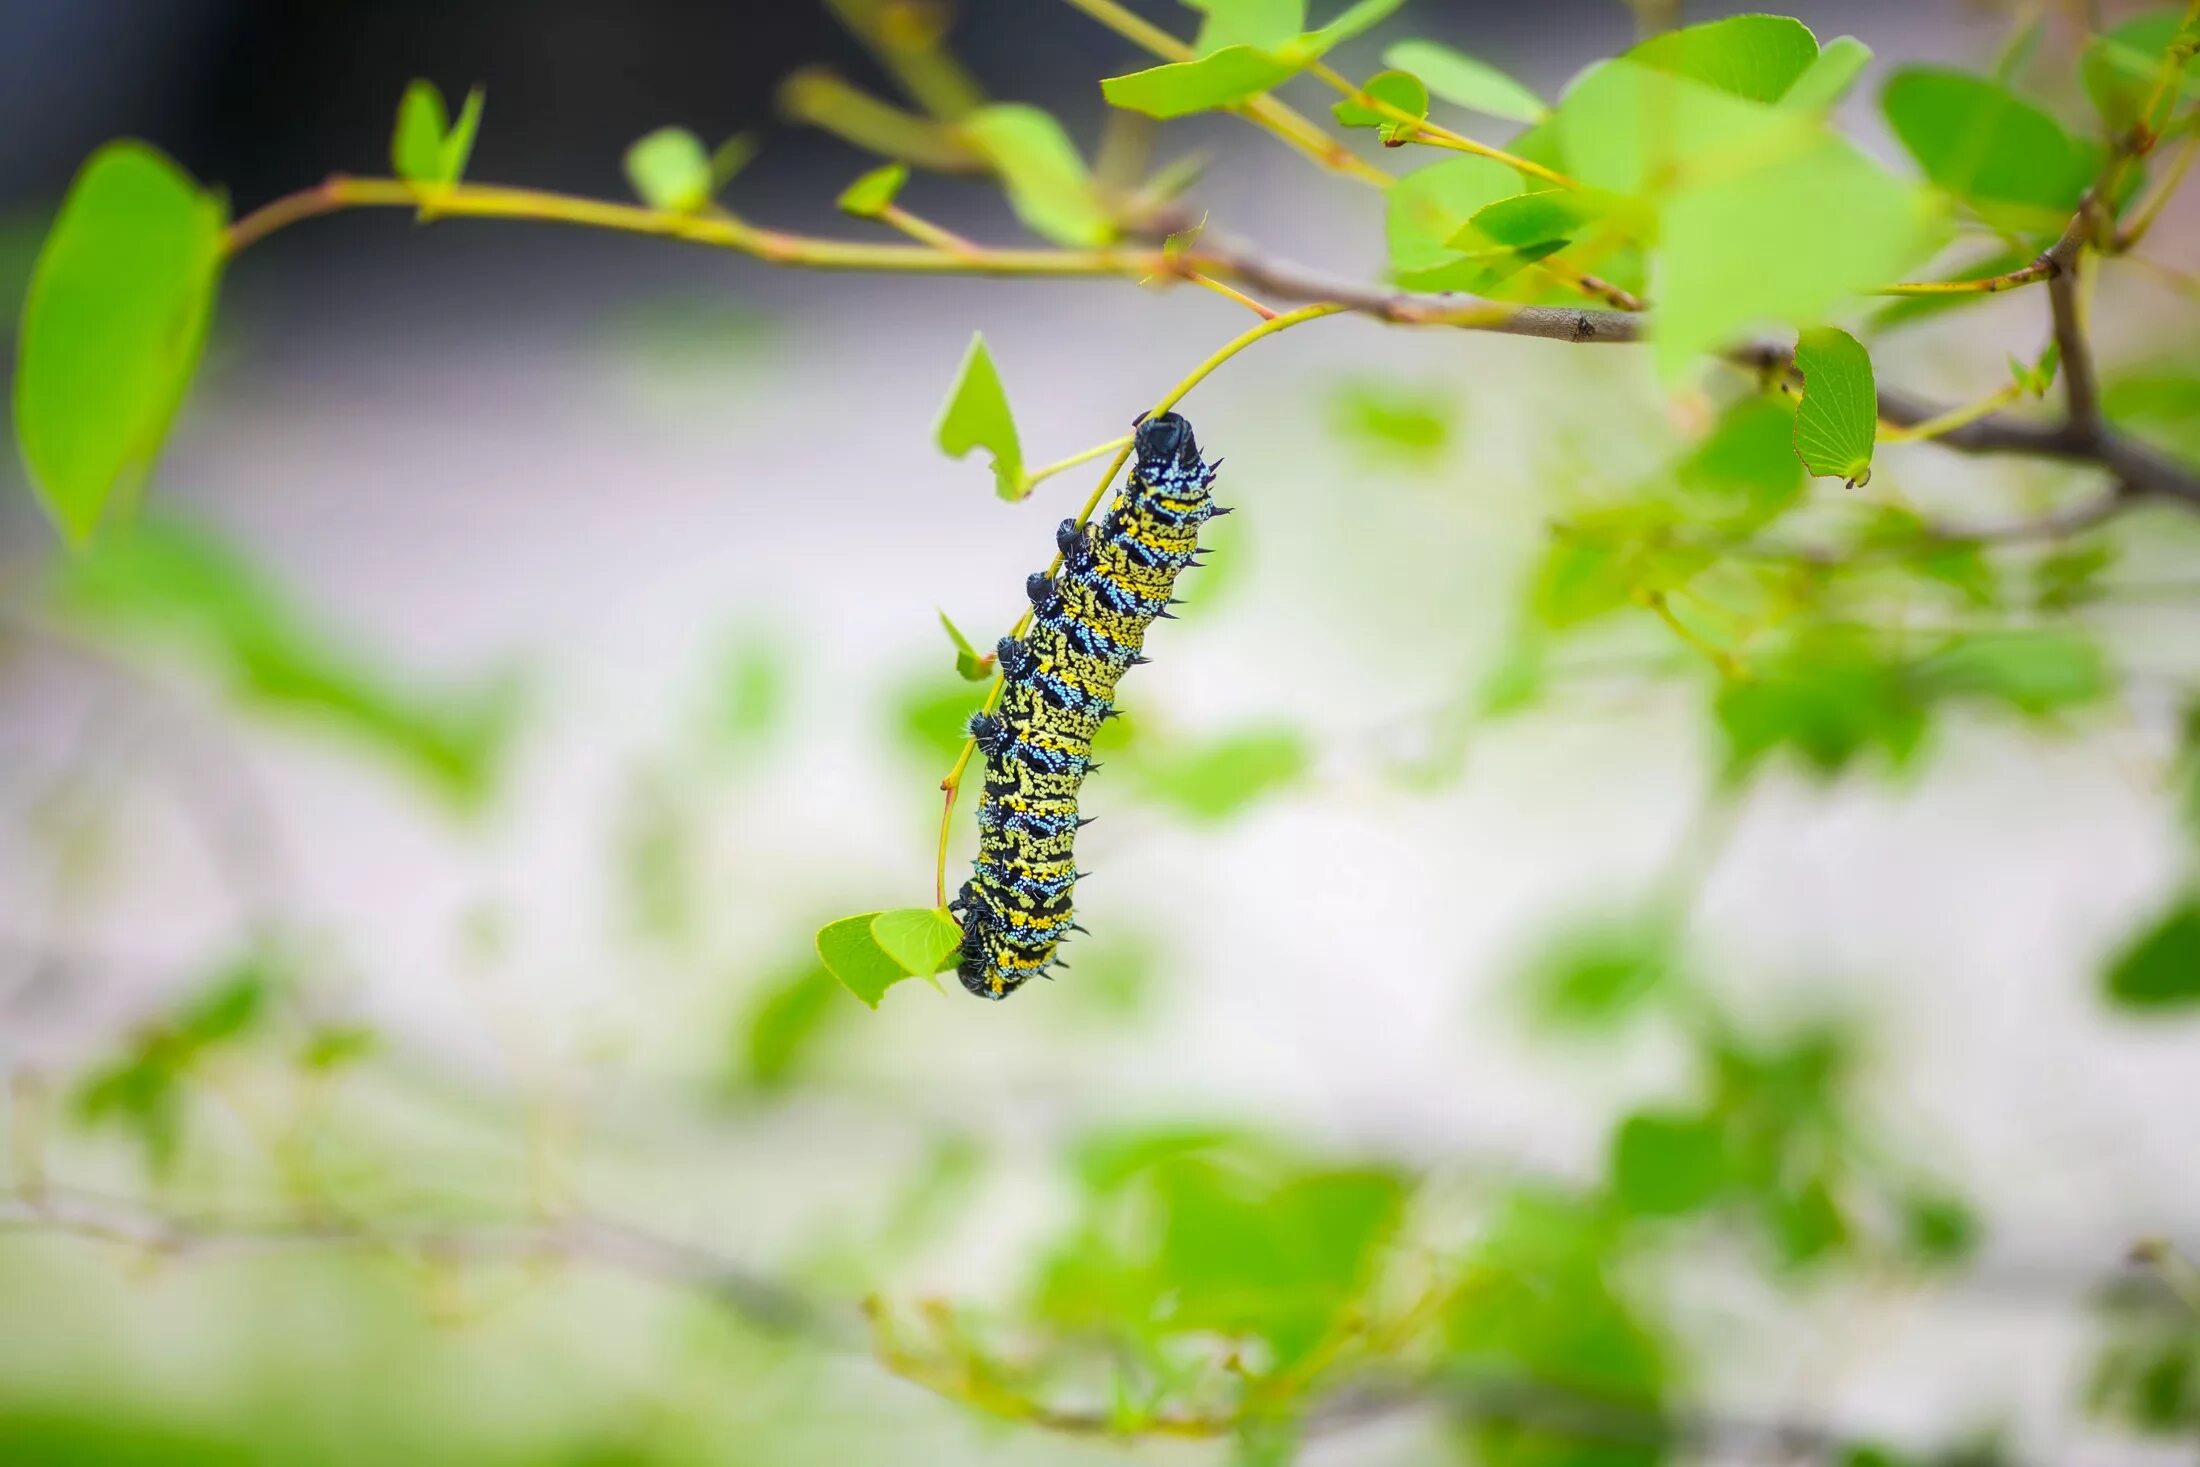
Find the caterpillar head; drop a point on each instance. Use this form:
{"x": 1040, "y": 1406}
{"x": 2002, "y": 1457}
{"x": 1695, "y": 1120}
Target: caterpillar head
{"x": 1165, "y": 440}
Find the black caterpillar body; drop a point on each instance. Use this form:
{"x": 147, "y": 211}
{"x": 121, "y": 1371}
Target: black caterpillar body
{"x": 1088, "y": 628}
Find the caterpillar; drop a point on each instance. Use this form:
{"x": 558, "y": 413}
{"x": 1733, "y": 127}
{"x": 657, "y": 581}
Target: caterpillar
{"x": 1088, "y": 628}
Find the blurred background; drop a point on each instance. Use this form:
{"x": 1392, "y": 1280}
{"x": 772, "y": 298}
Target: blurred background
{"x": 412, "y": 994}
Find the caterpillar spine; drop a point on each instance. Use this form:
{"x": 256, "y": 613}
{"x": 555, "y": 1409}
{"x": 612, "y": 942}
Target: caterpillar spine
{"x": 1088, "y": 627}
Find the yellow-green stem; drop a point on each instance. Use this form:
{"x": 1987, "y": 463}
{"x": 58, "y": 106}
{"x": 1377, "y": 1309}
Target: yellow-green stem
{"x": 1954, "y": 418}
{"x": 1432, "y": 134}
{"x": 1278, "y": 117}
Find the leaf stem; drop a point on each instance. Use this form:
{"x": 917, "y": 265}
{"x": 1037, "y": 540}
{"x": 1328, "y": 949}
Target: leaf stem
{"x": 952, "y": 785}
{"x": 1032, "y": 477}
{"x": 1266, "y": 111}
{"x": 1955, "y": 417}
{"x": 2039, "y": 269}
{"x": 1434, "y": 134}
{"x": 920, "y": 228}
{"x": 1208, "y": 282}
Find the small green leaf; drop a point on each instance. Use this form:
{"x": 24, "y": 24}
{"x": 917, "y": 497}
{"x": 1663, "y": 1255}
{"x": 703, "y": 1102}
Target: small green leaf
{"x": 2120, "y": 66}
{"x": 1398, "y": 418}
{"x": 1398, "y": 89}
{"x": 1745, "y": 474}
{"x": 1984, "y": 144}
{"x": 729, "y": 158}
{"x": 977, "y": 416}
{"x": 1265, "y": 24}
{"x": 1753, "y": 56}
{"x": 1665, "y": 1163}
{"x": 1353, "y": 20}
{"x": 851, "y": 954}
{"x": 1939, "y": 1227}
{"x": 1047, "y": 183}
{"x": 1828, "y": 78}
{"x": 971, "y": 666}
{"x": 1461, "y": 80}
{"x": 1830, "y": 696}
{"x": 458, "y": 144}
{"x": 332, "y": 1047}
{"x": 1838, "y": 420}
{"x": 1222, "y": 779}
{"x": 2036, "y": 673}
{"x": 1806, "y": 1222}
{"x": 1527, "y": 220}
{"x": 669, "y": 170}
{"x": 167, "y": 587}
{"x": 869, "y": 195}
{"x": 1430, "y": 205}
{"x": 416, "y": 144}
{"x": 2160, "y": 968}
{"x": 922, "y": 939}
{"x": 1223, "y": 79}
{"x": 1597, "y": 975}
{"x": 788, "y": 1018}
{"x": 426, "y": 147}
{"x": 111, "y": 332}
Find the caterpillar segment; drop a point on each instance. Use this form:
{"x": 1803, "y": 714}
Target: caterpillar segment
{"x": 1088, "y": 628}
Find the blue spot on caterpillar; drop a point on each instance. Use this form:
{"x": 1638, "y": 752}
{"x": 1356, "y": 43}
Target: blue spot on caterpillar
{"x": 1088, "y": 627}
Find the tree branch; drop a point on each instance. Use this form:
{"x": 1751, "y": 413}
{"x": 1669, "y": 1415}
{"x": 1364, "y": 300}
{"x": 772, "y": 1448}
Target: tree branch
{"x": 2142, "y": 471}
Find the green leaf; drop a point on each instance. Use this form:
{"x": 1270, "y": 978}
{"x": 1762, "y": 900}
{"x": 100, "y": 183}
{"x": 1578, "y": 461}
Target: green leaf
{"x": 1939, "y": 1227}
{"x": 2069, "y": 576}
{"x": 977, "y": 416}
{"x": 1829, "y": 76}
{"x": 1399, "y": 418}
{"x": 416, "y": 144}
{"x": 2160, "y": 968}
{"x": 1047, "y": 183}
{"x": 426, "y": 147}
{"x": 167, "y": 586}
{"x": 2162, "y": 401}
{"x": 1753, "y": 56}
{"x": 1430, "y": 205}
{"x": 869, "y": 195}
{"x": 1223, "y": 79}
{"x": 729, "y": 158}
{"x": 1463, "y": 81}
{"x": 1599, "y": 974}
{"x": 1398, "y": 89}
{"x": 851, "y": 954}
{"x": 111, "y": 332}
{"x": 2036, "y": 673}
{"x": 1222, "y": 779}
{"x": 670, "y": 170}
{"x": 1264, "y": 24}
{"x": 1353, "y": 20}
{"x": 1529, "y": 219}
{"x": 922, "y": 939}
{"x": 1829, "y": 697}
{"x": 1837, "y": 422}
{"x": 1665, "y": 1163}
{"x": 1745, "y": 474}
{"x": 970, "y": 665}
{"x": 2120, "y": 66}
{"x": 1806, "y": 1221}
{"x": 1982, "y": 143}
{"x": 458, "y": 144}
{"x": 783, "y": 1027}
{"x": 1790, "y": 224}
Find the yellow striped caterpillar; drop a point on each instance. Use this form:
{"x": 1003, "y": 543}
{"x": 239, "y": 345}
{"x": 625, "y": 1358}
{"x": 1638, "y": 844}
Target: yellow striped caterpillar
{"x": 1088, "y": 627}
